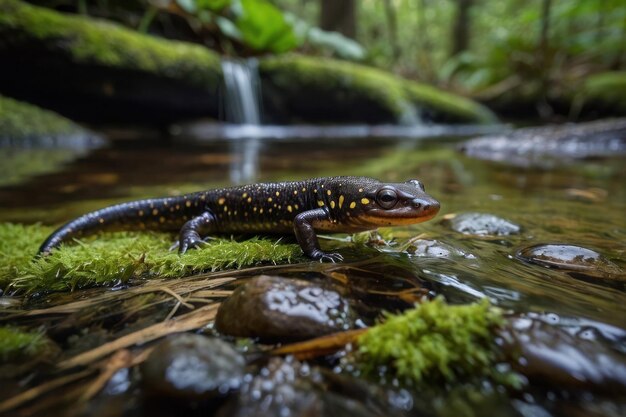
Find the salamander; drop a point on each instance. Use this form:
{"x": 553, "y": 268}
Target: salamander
{"x": 333, "y": 204}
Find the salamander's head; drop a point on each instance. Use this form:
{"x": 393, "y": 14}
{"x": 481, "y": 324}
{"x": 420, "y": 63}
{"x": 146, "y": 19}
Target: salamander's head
{"x": 394, "y": 204}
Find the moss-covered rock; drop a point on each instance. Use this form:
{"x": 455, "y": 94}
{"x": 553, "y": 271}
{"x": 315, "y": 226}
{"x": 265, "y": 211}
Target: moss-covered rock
{"x": 118, "y": 257}
{"x": 62, "y": 61}
{"x": 436, "y": 342}
{"x": 23, "y": 123}
{"x": 326, "y": 90}
{"x": 606, "y": 91}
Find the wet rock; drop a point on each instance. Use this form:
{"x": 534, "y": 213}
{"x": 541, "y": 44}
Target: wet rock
{"x": 193, "y": 367}
{"x": 435, "y": 249}
{"x": 276, "y": 309}
{"x": 551, "y": 356}
{"x": 286, "y": 387}
{"x": 569, "y": 258}
{"x": 481, "y": 224}
{"x": 550, "y": 145}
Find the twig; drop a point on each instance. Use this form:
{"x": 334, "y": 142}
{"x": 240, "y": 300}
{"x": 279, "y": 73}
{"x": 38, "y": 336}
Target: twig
{"x": 320, "y": 346}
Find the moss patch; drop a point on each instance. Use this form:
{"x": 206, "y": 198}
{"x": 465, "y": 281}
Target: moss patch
{"x": 436, "y": 342}
{"x": 97, "y": 42}
{"x": 112, "y": 258}
{"x": 341, "y": 83}
{"x": 607, "y": 89}
{"x": 20, "y": 121}
{"x": 16, "y": 344}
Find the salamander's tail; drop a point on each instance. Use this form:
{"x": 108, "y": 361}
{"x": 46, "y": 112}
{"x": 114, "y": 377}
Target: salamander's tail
{"x": 109, "y": 218}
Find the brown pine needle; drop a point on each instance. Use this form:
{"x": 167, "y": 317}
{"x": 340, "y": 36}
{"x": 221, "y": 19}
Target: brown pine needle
{"x": 190, "y": 321}
{"x": 320, "y": 346}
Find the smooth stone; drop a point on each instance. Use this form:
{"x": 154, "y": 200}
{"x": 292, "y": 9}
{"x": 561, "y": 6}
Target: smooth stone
{"x": 276, "y": 309}
{"x": 194, "y": 367}
{"x": 568, "y": 257}
{"x": 482, "y": 224}
{"x": 548, "y": 355}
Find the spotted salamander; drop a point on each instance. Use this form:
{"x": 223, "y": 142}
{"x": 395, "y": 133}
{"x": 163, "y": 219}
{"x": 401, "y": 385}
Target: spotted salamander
{"x": 334, "y": 204}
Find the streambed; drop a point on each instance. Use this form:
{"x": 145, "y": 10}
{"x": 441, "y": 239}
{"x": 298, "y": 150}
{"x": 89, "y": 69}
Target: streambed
{"x": 575, "y": 203}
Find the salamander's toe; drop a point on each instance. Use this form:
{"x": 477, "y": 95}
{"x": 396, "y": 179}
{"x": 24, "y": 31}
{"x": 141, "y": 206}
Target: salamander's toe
{"x": 327, "y": 257}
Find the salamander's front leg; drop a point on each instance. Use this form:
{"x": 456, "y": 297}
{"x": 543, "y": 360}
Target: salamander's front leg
{"x": 189, "y": 236}
{"x": 305, "y": 234}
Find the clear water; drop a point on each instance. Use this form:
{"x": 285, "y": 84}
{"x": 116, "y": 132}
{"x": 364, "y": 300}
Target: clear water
{"x": 581, "y": 204}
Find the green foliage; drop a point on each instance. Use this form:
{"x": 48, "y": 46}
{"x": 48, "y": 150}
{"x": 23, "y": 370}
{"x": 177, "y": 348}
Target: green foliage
{"x": 91, "y": 41}
{"x": 263, "y": 27}
{"x": 606, "y": 89}
{"x": 118, "y": 257}
{"x": 16, "y": 344}
{"x": 436, "y": 342}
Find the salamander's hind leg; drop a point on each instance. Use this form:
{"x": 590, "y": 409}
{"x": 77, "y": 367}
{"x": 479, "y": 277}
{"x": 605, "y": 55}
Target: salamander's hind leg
{"x": 191, "y": 231}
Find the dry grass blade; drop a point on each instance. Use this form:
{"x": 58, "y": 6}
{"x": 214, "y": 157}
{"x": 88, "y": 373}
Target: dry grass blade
{"x": 320, "y": 346}
{"x": 42, "y": 389}
{"x": 190, "y": 321}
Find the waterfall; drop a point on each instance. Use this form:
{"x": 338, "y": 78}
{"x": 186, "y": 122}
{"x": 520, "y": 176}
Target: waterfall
{"x": 243, "y": 91}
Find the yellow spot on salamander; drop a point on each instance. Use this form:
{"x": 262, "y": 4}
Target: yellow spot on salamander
{"x": 101, "y": 220}
{"x": 295, "y": 192}
{"x": 177, "y": 206}
{"x": 340, "y": 201}
{"x": 155, "y": 212}
{"x": 352, "y": 205}
{"x": 320, "y": 203}
{"x": 277, "y": 193}
{"x": 221, "y": 201}
{"x": 140, "y": 212}
{"x": 360, "y": 190}
{"x": 269, "y": 199}
{"x": 225, "y": 208}
{"x": 161, "y": 219}
{"x": 254, "y": 209}
{"x": 269, "y": 210}
{"x": 249, "y": 200}
{"x": 315, "y": 190}
{"x": 332, "y": 204}
{"x": 261, "y": 211}
{"x": 365, "y": 201}
{"x": 322, "y": 185}
{"x": 303, "y": 189}
{"x": 188, "y": 203}
{"x": 244, "y": 195}
{"x": 296, "y": 206}
{"x": 289, "y": 209}
{"x": 328, "y": 192}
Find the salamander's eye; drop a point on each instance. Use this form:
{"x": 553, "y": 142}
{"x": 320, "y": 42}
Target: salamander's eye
{"x": 386, "y": 198}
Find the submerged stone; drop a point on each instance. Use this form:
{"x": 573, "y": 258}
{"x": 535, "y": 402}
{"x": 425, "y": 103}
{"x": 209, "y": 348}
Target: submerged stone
{"x": 434, "y": 249}
{"x": 548, "y": 355}
{"x": 482, "y": 224}
{"x": 276, "y": 309}
{"x": 551, "y": 145}
{"x": 191, "y": 366}
{"x": 286, "y": 387}
{"x": 569, "y": 258}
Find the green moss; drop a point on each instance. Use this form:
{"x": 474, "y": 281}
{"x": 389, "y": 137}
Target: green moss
{"x": 117, "y": 257}
{"x": 20, "y": 120}
{"x": 436, "y": 342}
{"x": 339, "y": 79}
{"x": 97, "y": 42}
{"x": 607, "y": 89}
{"x": 16, "y": 344}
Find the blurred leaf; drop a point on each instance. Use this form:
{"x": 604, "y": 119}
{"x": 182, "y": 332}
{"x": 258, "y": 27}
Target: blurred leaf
{"x": 188, "y": 6}
{"x": 213, "y": 5}
{"x": 335, "y": 41}
{"x": 228, "y": 28}
{"x": 263, "y": 27}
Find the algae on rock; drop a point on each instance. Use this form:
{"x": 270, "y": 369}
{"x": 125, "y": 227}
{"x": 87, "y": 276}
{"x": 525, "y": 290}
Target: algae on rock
{"x": 327, "y": 90}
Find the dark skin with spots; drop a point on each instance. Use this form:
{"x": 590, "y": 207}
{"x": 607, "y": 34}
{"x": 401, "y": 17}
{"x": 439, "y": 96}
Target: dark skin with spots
{"x": 333, "y": 204}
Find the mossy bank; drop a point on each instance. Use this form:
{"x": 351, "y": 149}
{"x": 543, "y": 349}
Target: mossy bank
{"x": 326, "y": 90}
{"x": 97, "y": 71}
{"x": 87, "y": 67}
